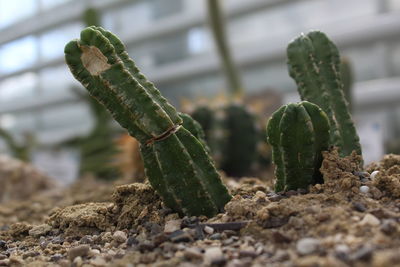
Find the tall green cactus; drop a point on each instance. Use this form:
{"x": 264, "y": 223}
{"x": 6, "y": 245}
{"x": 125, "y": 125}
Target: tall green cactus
{"x": 298, "y": 133}
{"x": 314, "y": 64}
{"x": 176, "y": 163}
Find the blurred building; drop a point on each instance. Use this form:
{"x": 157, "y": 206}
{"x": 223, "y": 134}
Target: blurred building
{"x": 171, "y": 43}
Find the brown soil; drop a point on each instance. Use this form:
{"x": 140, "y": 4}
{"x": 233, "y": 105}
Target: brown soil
{"x": 351, "y": 220}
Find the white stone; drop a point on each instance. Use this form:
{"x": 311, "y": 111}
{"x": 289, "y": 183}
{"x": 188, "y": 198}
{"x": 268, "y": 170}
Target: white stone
{"x": 120, "y": 237}
{"x": 172, "y": 226}
{"x": 209, "y": 230}
{"x": 98, "y": 261}
{"x": 364, "y": 189}
{"x": 213, "y": 254}
{"x": 342, "y": 248}
{"x": 370, "y": 219}
{"x": 373, "y": 174}
{"x": 94, "y": 252}
{"x": 307, "y": 245}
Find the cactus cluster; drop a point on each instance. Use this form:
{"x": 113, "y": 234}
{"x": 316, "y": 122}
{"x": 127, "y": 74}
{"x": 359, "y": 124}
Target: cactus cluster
{"x": 298, "y": 133}
{"x": 314, "y": 64}
{"x": 176, "y": 163}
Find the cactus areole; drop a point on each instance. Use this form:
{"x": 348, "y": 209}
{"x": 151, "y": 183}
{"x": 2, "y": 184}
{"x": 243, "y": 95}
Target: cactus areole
{"x": 298, "y": 133}
{"x": 176, "y": 163}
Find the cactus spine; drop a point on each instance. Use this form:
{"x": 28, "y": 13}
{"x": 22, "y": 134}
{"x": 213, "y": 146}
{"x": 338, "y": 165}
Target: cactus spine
{"x": 298, "y": 133}
{"x": 176, "y": 163}
{"x": 314, "y": 64}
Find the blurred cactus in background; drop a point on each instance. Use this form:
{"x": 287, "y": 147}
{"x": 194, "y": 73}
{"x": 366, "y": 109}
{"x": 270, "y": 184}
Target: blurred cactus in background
{"x": 91, "y": 17}
{"x": 176, "y": 163}
{"x": 231, "y": 130}
{"x": 21, "y": 151}
{"x": 97, "y": 149}
{"x": 298, "y": 133}
{"x": 314, "y": 64}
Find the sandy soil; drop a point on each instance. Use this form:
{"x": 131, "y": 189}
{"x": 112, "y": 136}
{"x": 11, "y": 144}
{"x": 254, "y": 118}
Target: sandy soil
{"x": 350, "y": 220}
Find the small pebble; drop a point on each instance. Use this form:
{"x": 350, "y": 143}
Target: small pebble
{"x": 81, "y": 250}
{"x": 193, "y": 253}
{"x": 120, "y": 237}
{"x": 40, "y": 230}
{"x": 172, "y": 226}
{"x": 146, "y": 245}
{"x": 56, "y": 257}
{"x": 209, "y": 230}
{"x": 364, "y": 189}
{"x": 86, "y": 240}
{"x": 370, "y": 219}
{"x": 216, "y": 236}
{"x": 342, "y": 252}
{"x": 307, "y": 246}
{"x": 388, "y": 227}
{"x": 363, "y": 254}
{"x": 373, "y": 174}
{"x": 248, "y": 252}
{"x": 132, "y": 241}
{"x": 214, "y": 256}
{"x": 94, "y": 252}
{"x": 3, "y": 244}
{"x": 77, "y": 261}
{"x": 98, "y": 261}
{"x": 358, "y": 206}
{"x": 180, "y": 236}
{"x": 4, "y": 262}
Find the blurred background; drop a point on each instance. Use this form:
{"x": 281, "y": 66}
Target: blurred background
{"x": 172, "y": 44}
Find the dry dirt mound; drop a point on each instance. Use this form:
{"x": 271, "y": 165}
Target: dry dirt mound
{"x": 20, "y": 180}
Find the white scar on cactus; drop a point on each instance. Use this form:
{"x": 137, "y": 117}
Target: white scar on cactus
{"x": 93, "y": 60}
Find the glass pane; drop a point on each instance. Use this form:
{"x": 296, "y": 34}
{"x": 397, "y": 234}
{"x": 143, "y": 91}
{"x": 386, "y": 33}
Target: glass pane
{"x": 48, "y": 4}
{"x": 65, "y": 116}
{"x": 162, "y": 8}
{"x": 120, "y": 21}
{"x": 52, "y": 43}
{"x": 18, "y": 86}
{"x": 199, "y": 40}
{"x": 395, "y": 58}
{"x": 18, "y": 54}
{"x": 160, "y": 51}
{"x": 24, "y": 123}
{"x": 13, "y": 11}
{"x": 272, "y": 76}
{"x": 367, "y": 61}
{"x": 56, "y": 80}
{"x": 171, "y": 49}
